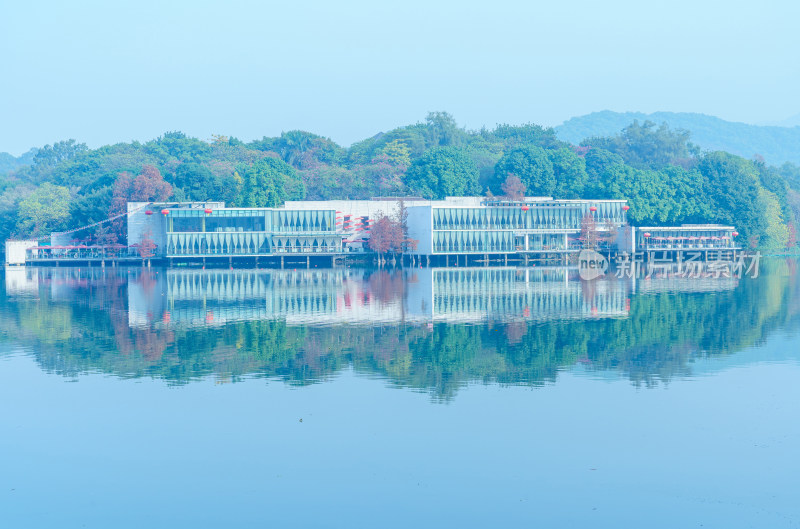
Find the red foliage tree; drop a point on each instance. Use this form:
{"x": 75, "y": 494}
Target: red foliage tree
{"x": 792, "y": 240}
{"x": 147, "y": 186}
{"x": 589, "y": 231}
{"x": 386, "y": 236}
{"x": 513, "y": 188}
{"x": 147, "y": 246}
{"x": 391, "y": 235}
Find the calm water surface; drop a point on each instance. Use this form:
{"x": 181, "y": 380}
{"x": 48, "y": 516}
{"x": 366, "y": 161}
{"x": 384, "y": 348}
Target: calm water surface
{"x": 349, "y": 398}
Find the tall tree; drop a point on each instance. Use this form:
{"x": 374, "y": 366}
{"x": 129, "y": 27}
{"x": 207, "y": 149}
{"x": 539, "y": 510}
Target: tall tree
{"x": 646, "y": 146}
{"x": 60, "y": 151}
{"x": 532, "y": 165}
{"x": 147, "y": 186}
{"x": 45, "y": 210}
{"x": 443, "y": 171}
{"x": 269, "y": 183}
{"x": 443, "y": 130}
{"x": 513, "y": 188}
{"x": 570, "y": 173}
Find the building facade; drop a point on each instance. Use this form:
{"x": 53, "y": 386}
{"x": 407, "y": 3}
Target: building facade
{"x": 537, "y": 225}
{"x": 454, "y": 231}
{"x": 687, "y": 237}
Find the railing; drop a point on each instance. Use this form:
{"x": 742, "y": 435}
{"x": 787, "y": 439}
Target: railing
{"x": 699, "y": 246}
{"x": 247, "y": 252}
{"x": 58, "y": 254}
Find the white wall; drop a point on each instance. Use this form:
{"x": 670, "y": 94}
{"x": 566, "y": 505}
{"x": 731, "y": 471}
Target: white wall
{"x": 420, "y": 227}
{"x": 139, "y": 223}
{"x": 625, "y": 239}
{"x": 15, "y": 251}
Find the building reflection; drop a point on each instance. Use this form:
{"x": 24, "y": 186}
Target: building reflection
{"x": 185, "y": 298}
{"x": 432, "y": 329}
{"x": 178, "y": 298}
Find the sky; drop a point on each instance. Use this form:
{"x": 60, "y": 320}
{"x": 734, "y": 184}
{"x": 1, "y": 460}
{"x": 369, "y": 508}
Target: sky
{"x": 104, "y": 72}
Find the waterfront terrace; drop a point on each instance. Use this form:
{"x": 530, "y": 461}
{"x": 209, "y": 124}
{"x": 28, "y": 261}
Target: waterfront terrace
{"x": 456, "y": 231}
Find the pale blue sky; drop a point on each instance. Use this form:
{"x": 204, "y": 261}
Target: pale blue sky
{"x": 102, "y": 72}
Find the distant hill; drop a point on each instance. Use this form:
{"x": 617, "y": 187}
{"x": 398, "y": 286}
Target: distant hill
{"x": 776, "y": 144}
{"x": 792, "y": 121}
{"x": 8, "y": 162}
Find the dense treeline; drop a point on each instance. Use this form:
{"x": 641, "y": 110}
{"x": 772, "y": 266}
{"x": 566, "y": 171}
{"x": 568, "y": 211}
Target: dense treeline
{"x": 667, "y": 179}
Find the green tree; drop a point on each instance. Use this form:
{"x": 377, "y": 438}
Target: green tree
{"x": 513, "y": 136}
{"x": 650, "y": 197}
{"x": 443, "y": 171}
{"x": 301, "y": 149}
{"x": 534, "y": 167}
{"x": 733, "y": 190}
{"x": 570, "y": 173}
{"x": 45, "y": 210}
{"x": 269, "y": 183}
{"x": 598, "y": 163}
{"x": 443, "y": 130}
{"x": 398, "y": 153}
{"x": 60, "y": 151}
{"x": 646, "y": 146}
{"x": 197, "y": 182}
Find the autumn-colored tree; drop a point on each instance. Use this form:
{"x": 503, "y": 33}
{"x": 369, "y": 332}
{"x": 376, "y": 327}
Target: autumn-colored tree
{"x": 611, "y": 232}
{"x": 513, "y": 188}
{"x": 147, "y": 246}
{"x": 386, "y": 236}
{"x": 391, "y": 235}
{"x": 589, "y": 231}
{"x": 104, "y": 235}
{"x": 792, "y": 240}
{"x": 147, "y": 186}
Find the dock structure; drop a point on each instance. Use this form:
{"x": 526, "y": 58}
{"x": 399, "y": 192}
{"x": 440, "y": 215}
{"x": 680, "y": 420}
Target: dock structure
{"x": 702, "y": 242}
{"x": 454, "y": 232}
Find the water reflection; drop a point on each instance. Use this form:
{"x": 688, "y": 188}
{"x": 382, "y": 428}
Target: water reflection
{"x": 197, "y": 298}
{"x": 430, "y": 329}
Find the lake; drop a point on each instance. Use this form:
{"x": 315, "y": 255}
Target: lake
{"x": 468, "y": 397}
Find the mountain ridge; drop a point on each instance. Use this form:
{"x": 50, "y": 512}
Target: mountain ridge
{"x": 776, "y": 144}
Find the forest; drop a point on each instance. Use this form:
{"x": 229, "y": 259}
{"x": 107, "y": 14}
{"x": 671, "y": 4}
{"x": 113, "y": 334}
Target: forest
{"x": 667, "y": 179}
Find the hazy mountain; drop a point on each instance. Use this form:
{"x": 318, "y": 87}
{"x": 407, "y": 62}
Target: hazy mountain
{"x": 792, "y": 121}
{"x": 777, "y": 144}
{"x": 9, "y": 163}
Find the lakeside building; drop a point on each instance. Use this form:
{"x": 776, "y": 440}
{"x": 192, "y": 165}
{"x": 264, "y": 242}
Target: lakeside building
{"x": 457, "y": 231}
{"x": 454, "y": 226}
{"x": 686, "y": 237}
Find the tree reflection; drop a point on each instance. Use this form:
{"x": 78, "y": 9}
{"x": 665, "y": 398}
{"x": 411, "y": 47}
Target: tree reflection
{"x": 81, "y": 323}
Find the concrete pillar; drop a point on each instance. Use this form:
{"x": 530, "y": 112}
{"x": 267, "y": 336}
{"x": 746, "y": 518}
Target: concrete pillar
{"x": 308, "y": 261}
